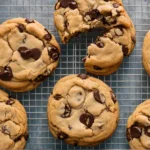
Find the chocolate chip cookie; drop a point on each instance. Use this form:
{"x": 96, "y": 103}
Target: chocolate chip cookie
{"x": 146, "y": 53}
{"x": 105, "y": 55}
{"x": 29, "y": 53}
{"x": 82, "y": 110}
{"x": 138, "y": 127}
{"x": 13, "y": 123}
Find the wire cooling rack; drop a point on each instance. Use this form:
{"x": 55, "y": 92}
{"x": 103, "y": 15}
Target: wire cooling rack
{"x": 130, "y": 83}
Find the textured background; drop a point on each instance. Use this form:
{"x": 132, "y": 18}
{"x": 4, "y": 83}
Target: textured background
{"x": 130, "y": 82}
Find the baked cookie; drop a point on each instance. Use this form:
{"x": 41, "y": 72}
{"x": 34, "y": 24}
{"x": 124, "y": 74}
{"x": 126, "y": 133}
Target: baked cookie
{"x": 82, "y": 110}
{"x": 28, "y": 54}
{"x": 13, "y": 123}
{"x": 146, "y": 53}
{"x": 106, "y": 54}
{"x": 138, "y": 127}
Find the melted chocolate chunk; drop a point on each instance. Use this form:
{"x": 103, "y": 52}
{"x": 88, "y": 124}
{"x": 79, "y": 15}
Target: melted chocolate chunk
{"x": 24, "y": 52}
{"x": 128, "y": 135}
{"x": 133, "y": 39}
{"x": 6, "y": 73}
{"x": 54, "y": 53}
{"x": 62, "y": 136}
{"x": 10, "y": 102}
{"x": 83, "y": 76}
{"x": 29, "y": 20}
{"x": 97, "y": 68}
{"x": 87, "y": 119}
{"x": 57, "y": 97}
{"x": 35, "y": 53}
{"x": 99, "y": 98}
{"x": 100, "y": 44}
{"x": 48, "y": 37}
{"x": 135, "y": 131}
{"x": 21, "y": 28}
{"x": 26, "y": 136}
{"x": 125, "y": 50}
{"x": 67, "y": 111}
{"x": 147, "y": 131}
{"x": 113, "y": 96}
{"x": 94, "y": 14}
{"x": 40, "y": 78}
{"x": 18, "y": 139}
{"x": 71, "y": 3}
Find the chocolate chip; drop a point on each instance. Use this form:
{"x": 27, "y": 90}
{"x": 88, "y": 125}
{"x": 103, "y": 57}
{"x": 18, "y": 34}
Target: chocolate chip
{"x": 100, "y": 44}
{"x": 10, "y": 102}
{"x": 24, "y": 52}
{"x": 53, "y": 52}
{"x": 125, "y": 50}
{"x": 135, "y": 131}
{"x": 73, "y": 5}
{"x": 67, "y": 111}
{"x": 147, "y": 131}
{"x": 87, "y": 119}
{"x": 113, "y": 96}
{"x": 99, "y": 97}
{"x": 94, "y": 14}
{"x": 48, "y": 37}
{"x": 21, "y": 28}
{"x": 84, "y": 59}
{"x": 97, "y": 68}
{"x": 83, "y": 76}
{"x": 18, "y": 139}
{"x": 26, "y": 136}
{"x": 133, "y": 39}
{"x": 40, "y": 78}
{"x": 29, "y": 20}
{"x": 35, "y": 53}
{"x": 65, "y": 3}
{"x": 62, "y": 136}
{"x": 116, "y": 5}
{"x": 57, "y": 97}
{"x": 6, "y": 73}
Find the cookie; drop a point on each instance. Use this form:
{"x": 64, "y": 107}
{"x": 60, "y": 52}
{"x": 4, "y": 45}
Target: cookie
{"x": 146, "y": 53}
{"x": 138, "y": 127}
{"x": 82, "y": 110}
{"x": 105, "y": 55}
{"x": 29, "y": 53}
{"x": 13, "y": 123}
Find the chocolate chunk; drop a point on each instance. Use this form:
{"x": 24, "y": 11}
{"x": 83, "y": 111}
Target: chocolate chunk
{"x": 97, "y": 68}
{"x": 10, "y": 102}
{"x": 62, "y": 136}
{"x": 87, "y": 119}
{"x": 40, "y": 78}
{"x": 135, "y": 131}
{"x": 21, "y": 28}
{"x": 99, "y": 97}
{"x": 94, "y": 14}
{"x": 116, "y": 5}
{"x": 18, "y": 139}
{"x": 29, "y": 20}
{"x": 128, "y": 135}
{"x": 125, "y": 50}
{"x": 48, "y": 37}
{"x": 147, "y": 131}
{"x": 35, "y": 53}
{"x": 24, "y": 52}
{"x": 84, "y": 59}
{"x": 53, "y": 52}
{"x": 100, "y": 44}
{"x": 73, "y": 5}
{"x": 133, "y": 39}
{"x": 57, "y": 97}
{"x": 6, "y": 73}
{"x": 83, "y": 76}
{"x": 113, "y": 96}
{"x": 67, "y": 111}
{"x": 26, "y": 136}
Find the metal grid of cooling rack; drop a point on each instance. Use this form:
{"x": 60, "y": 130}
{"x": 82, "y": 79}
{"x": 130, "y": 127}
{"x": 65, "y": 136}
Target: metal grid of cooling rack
{"x": 130, "y": 83}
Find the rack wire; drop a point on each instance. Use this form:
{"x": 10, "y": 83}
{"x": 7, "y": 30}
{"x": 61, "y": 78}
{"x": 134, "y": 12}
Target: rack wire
{"x": 130, "y": 83}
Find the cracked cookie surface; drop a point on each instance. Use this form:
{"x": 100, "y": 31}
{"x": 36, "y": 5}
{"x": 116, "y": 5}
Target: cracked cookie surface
{"x": 75, "y": 16}
{"x": 29, "y": 53}
{"x": 13, "y": 123}
{"x": 138, "y": 127}
{"x": 82, "y": 110}
{"x": 146, "y": 53}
